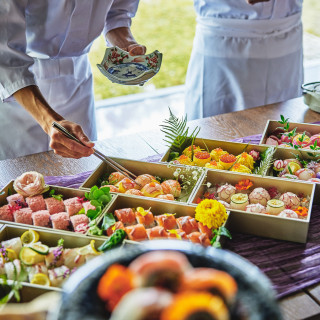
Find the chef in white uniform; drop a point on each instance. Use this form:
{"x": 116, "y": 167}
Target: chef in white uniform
{"x": 44, "y": 67}
{"x": 244, "y": 55}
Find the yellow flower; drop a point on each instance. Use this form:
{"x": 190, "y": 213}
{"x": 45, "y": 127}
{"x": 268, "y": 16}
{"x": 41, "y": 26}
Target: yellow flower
{"x": 211, "y": 213}
{"x": 246, "y": 160}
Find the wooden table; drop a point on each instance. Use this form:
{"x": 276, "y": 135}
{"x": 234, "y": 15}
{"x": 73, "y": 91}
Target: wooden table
{"x": 303, "y": 305}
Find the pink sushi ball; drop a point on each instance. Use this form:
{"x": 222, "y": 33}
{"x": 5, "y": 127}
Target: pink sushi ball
{"x": 36, "y": 203}
{"x": 15, "y": 197}
{"x": 171, "y": 186}
{"x": 54, "y": 205}
{"x": 291, "y": 200}
{"x": 73, "y": 205}
{"x": 79, "y": 219}
{"x": 23, "y": 215}
{"x": 87, "y": 206}
{"x": 305, "y": 174}
{"x": 168, "y": 196}
{"x": 256, "y": 208}
{"x": 5, "y": 213}
{"x": 134, "y": 192}
{"x": 41, "y": 218}
{"x": 287, "y": 213}
{"x": 60, "y": 221}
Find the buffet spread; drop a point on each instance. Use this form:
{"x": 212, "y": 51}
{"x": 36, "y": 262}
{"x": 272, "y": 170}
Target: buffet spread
{"x": 199, "y": 194}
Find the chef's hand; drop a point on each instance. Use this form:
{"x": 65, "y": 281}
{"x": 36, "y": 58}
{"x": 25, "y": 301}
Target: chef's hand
{"x": 123, "y": 38}
{"x": 256, "y": 1}
{"x": 68, "y": 148}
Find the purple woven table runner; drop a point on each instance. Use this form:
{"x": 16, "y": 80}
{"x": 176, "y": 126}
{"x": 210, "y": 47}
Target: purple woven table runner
{"x": 290, "y": 266}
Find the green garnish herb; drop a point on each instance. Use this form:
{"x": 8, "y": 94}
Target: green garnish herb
{"x": 56, "y": 196}
{"x": 116, "y": 238}
{"x": 60, "y": 242}
{"x": 222, "y": 231}
{"x": 108, "y": 221}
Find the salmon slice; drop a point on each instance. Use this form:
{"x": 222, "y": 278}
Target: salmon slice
{"x": 187, "y": 224}
{"x": 137, "y": 232}
{"x": 126, "y": 216}
{"x": 157, "y": 232}
{"x": 167, "y": 220}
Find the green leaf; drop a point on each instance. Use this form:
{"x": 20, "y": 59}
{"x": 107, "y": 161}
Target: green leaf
{"x": 217, "y": 245}
{"x": 116, "y": 238}
{"x": 82, "y": 211}
{"x": 266, "y": 162}
{"x": 105, "y": 190}
{"x": 105, "y": 199}
{"x": 92, "y": 214}
{"x": 223, "y": 231}
{"x": 108, "y": 221}
{"x": 96, "y": 203}
{"x": 51, "y": 193}
{"x": 60, "y": 242}
{"x": 86, "y": 194}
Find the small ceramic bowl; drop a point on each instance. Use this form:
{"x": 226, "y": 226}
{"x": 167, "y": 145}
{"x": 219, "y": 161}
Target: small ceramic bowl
{"x": 311, "y": 95}
{"x": 120, "y": 67}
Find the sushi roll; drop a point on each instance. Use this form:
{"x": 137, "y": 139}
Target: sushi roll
{"x": 167, "y": 220}
{"x": 134, "y": 192}
{"x": 126, "y": 216}
{"x": 201, "y": 158}
{"x": 288, "y": 213}
{"x": 127, "y": 184}
{"x": 226, "y": 161}
{"x": 142, "y": 303}
{"x": 79, "y": 219}
{"x": 14, "y": 244}
{"x": 177, "y": 234}
{"x": 23, "y": 215}
{"x": 116, "y": 226}
{"x": 259, "y": 195}
{"x": 205, "y": 229}
{"x": 196, "y": 305}
{"x": 215, "y": 281}
{"x": 137, "y": 232}
{"x": 54, "y": 205}
{"x": 37, "y": 268}
{"x": 217, "y": 153}
{"x": 73, "y": 206}
{"x": 275, "y": 206}
{"x": 88, "y": 206}
{"x": 171, "y": 187}
{"x": 13, "y": 270}
{"x": 239, "y": 201}
{"x": 36, "y": 203}
{"x": 162, "y": 269}
{"x": 291, "y": 200}
{"x": 58, "y": 275}
{"x": 5, "y": 213}
{"x": 165, "y": 196}
{"x": 145, "y": 217}
{"x": 115, "y": 177}
{"x": 198, "y": 237}
{"x": 41, "y": 218}
{"x": 60, "y": 221}
{"x": 225, "y": 192}
{"x": 157, "y": 233}
{"x": 144, "y": 179}
{"x": 187, "y": 224}
{"x": 72, "y": 259}
{"x": 152, "y": 189}
{"x": 112, "y": 188}
{"x": 14, "y": 199}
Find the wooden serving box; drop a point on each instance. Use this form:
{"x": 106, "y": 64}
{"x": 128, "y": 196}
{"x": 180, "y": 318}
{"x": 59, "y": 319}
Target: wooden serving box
{"x": 66, "y": 192}
{"x": 272, "y": 125}
{"x": 137, "y": 167}
{"x": 263, "y": 225}
{"x": 236, "y": 148}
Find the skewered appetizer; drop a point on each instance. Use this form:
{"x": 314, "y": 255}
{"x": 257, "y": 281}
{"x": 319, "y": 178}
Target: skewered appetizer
{"x": 259, "y": 200}
{"x": 140, "y": 224}
{"x": 162, "y": 285}
{"x": 39, "y": 264}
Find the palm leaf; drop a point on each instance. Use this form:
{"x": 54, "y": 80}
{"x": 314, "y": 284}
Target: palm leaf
{"x": 177, "y": 134}
{"x": 266, "y": 162}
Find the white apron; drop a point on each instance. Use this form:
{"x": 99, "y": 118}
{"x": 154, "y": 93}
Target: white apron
{"x": 67, "y": 85}
{"x": 241, "y": 63}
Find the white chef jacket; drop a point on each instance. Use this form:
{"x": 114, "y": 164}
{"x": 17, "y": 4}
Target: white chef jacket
{"x": 45, "y": 43}
{"x": 244, "y": 56}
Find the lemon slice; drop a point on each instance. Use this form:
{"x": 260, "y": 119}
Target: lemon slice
{"x": 30, "y": 257}
{"x": 11, "y": 254}
{"x": 40, "y": 278}
{"x": 88, "y": 249}
{"x": 142, "y": 211}
{"x": 29, "y": 236}
{"x": 39, "y": 248}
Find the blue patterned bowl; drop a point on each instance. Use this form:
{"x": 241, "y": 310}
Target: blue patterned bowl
{"x": 120, "y": 67}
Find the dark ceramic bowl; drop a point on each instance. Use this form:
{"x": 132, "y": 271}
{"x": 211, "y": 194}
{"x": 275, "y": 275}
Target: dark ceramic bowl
{"x": 255, "y": 298}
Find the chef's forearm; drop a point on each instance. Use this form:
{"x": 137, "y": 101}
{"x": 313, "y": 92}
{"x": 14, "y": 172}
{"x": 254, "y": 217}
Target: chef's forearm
{"x": 33, "y": 101}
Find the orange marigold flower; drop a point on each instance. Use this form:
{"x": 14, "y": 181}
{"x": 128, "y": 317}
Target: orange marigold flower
{"x": 114, "y": 284}
{"x": 301, "y": 211}
{"x": 244, "y": 184}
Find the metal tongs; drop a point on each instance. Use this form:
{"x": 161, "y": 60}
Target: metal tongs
{"x": 97, "y": 153}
